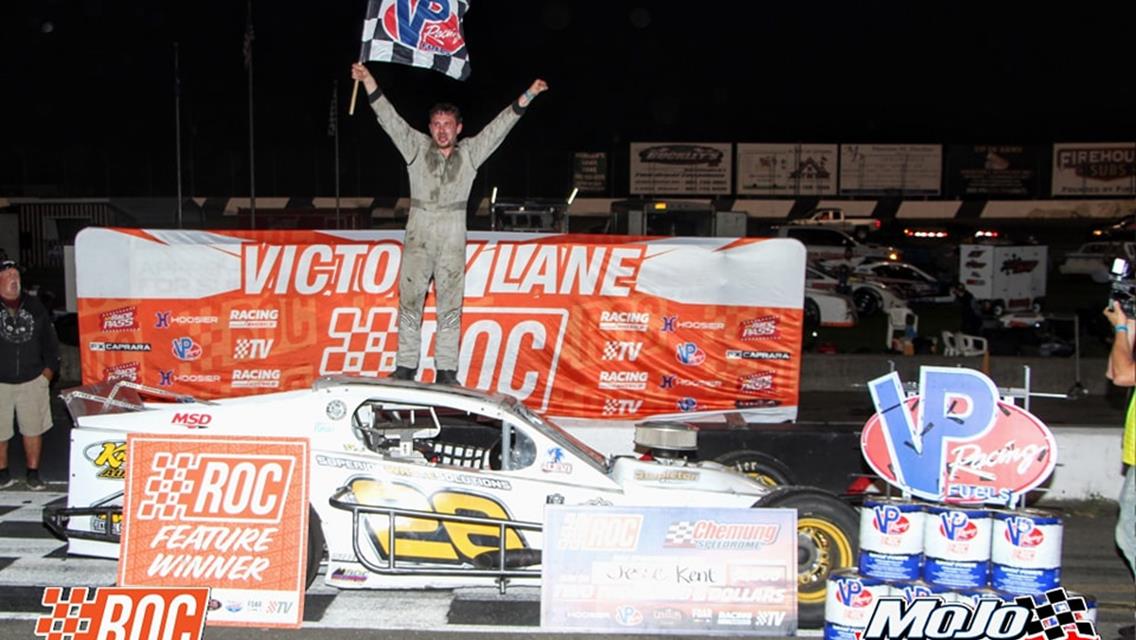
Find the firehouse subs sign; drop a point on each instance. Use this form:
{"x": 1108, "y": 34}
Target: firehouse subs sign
{"x": 957, "y": 441}
{"x": 584, "y": 326}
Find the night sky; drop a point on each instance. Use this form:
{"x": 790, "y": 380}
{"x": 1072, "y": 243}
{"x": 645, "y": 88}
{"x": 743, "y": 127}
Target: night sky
{"x": 89, "y": 103}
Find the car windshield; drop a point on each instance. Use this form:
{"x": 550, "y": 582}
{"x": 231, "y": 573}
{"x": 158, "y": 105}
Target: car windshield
{"x": 562, "y": 437}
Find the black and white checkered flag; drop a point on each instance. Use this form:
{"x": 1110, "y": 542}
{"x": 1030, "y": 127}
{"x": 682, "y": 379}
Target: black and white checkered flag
{"x": 426, "y": 34}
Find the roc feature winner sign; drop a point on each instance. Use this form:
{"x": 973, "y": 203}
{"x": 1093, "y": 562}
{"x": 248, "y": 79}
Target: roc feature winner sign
{"x": 957, "y": 441}
{"x": 661, "y": 569}
{"x": 221, "y": 512}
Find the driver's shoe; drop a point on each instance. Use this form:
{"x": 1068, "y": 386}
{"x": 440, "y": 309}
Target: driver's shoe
{"x": 403, "y": 373}
{"x": 446, "y": 376}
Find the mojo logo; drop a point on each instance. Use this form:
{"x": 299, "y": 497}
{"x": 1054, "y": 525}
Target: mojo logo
{"x": 933, "y": 619}
{"x": 889, "y": 520}
{"x": 688, "y": 354}
{"x": 1021, "y": 532}
{"x": 429, "y": 25}
{"x": 192, "y": 420}
{"x": 185, "y": 349}
{"x": 622, "y": 351}
{"x": 252, "y": 348}
{"x": 123, "y": 612}
{"x": 957, "y": 526}
{"x": 956, "y": 441}
{"x": 763, "y": 328}
{"x": 123, "y": 319}
{"x": 231, "y": 488}
{"x": 682, "y": 154}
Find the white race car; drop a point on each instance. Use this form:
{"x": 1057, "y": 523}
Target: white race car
{"x": 387, "y": 451}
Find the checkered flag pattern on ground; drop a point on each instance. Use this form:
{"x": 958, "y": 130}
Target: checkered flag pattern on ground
{"x": 1056, "y": 615}
{"x": 418, "y": 36}
{"x": 680, "y": 534}
{"x": 165, "y": 487}
{"x": 68, "y": 616}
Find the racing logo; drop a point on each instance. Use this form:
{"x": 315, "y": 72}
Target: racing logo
{"x": 624, "y": 321}
{"x": 889, "y": 520}
{"x": 216, "y": 487}
{"x": 599, "y": 531}
{"x": 756, "y": 382}
{"x": 688, "y": 354}
{"x": 131, "y": 371}
{"x": 555, "y": 462}
{"x": 427, "y": 25}
{"x": 672, "y": 324}
{"x": 252, "y": 348}
{"x": 1021, "y": 532}
{"x": 255, "y": 379}
{"x": 192, "y": 420}
{"x": 167, "y": 319}
{"x": 957, "y": 526}
{"x": 185, "y": 349}
{"x": 711, "y": 534}
{"x": 763, "y": 328}
{"x": 123, "y": 319}
{"x": 614, "y": 407}
{"x": 628, "y": 616}
{"x": 123, "y": 612}
{"x": 254, "y": 318}
{"x": 628, "y": 380}
{"x": 165, "y": 378}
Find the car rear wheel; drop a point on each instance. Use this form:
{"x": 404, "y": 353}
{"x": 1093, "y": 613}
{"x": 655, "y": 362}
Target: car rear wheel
{"x": 761, "y": 467}
{"x": 827, "y": 541}
{"x": 867, "y": 301}
{"x": 315, "y": 547}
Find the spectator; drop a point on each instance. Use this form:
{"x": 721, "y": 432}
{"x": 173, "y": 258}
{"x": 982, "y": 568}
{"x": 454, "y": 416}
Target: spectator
{"x": 1122, "y": 372}
{"x": 29, "y": 359}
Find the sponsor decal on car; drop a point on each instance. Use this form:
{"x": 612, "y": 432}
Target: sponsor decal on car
{"x": 109, "y": 457}
{"x": 122, "y": 319}
{"x": 555, "y": 462}
{"x": 192, "y": 420}
{"x": 687, "y": 404}
{"x": 756, "y": 403}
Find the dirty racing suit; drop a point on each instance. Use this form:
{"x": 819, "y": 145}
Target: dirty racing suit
{"x": 434, "y": 245}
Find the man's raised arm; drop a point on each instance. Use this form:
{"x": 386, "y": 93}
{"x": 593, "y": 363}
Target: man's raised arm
{"x": 402, "y": 134}
{"x": 482, "y": 145}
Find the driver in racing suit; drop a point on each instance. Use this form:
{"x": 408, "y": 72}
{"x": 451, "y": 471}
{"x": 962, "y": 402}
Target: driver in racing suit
{"x": 441, "y": 172}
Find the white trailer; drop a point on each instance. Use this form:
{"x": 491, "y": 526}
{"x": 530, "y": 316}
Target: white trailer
{"x": 1008, "y": 277}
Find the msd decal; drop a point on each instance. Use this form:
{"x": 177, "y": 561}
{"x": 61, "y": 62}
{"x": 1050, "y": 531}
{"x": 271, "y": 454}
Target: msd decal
{"x": 192, "y": 420}
{"x": 957, "y": 441}
{"x": 185, "y": 349}
{"x": 763, "y": 328}
{"x": 123, "y": 612}
{"x": 123, "y": 319}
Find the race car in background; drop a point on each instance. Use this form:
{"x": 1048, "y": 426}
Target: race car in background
{"x": 384, "y": 453}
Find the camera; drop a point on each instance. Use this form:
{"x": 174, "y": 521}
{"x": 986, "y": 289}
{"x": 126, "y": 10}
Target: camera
{"x": 1123, "y": 287}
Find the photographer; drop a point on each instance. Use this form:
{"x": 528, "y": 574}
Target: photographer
{"x": 1122, "y": 372}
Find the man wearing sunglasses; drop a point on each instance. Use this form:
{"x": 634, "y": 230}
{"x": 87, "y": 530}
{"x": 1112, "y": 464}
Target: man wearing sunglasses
{"x": 29, "y": 358}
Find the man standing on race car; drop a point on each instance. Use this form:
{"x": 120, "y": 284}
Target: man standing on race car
{"x": 441, "y": 171}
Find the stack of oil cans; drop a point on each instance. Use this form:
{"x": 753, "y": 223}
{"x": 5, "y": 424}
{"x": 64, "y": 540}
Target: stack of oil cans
{"x": 958, "y": 553}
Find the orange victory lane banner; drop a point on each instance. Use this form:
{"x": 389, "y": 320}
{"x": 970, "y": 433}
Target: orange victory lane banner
{"x": 221, "y": 512}
{"x": 581, "y": 326}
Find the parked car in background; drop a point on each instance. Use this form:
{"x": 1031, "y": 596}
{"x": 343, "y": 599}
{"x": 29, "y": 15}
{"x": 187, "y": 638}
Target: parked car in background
{"x": 835, "y": 218}
{"x": 869, "y": 297}
{"x": 836, "y": 246}
{"x": 906, "y": 280}
{"x": 1094, "y": 259}
{"x": 1120, "y": 229}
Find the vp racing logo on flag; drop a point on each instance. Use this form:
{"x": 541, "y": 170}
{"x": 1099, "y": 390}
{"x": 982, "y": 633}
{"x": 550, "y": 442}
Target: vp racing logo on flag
{"x": 123, "y": 612}
{"x": 1054, "y": 615}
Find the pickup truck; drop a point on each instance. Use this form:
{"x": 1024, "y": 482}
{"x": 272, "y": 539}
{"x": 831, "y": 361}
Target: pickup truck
{"x": 834, "y": 217}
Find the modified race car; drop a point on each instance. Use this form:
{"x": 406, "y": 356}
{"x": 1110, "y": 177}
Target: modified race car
{"x": 462, "y": 476}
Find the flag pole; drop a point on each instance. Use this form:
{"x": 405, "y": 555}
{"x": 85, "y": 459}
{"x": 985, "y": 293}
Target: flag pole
{"x": 354, "y": 93}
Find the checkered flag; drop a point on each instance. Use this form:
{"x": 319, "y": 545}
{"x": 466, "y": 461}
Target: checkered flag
{"x": 422, "y": 34}
{"x": 611, "y": 406}
{"x": 242, "y": 349}
{"x": 1056, "y": 616}
{"x": 611, "y": 351}
{"x": 69, "y": 617}
{"x": 164, "y": 489}
{"x": 680, "y": 534}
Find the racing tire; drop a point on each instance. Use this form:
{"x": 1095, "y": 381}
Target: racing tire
{"x": 763, "y": 468}
{"x": 828, "y": 539}
{"x": 867, "y": 302}
{"x": 315, "y": 547}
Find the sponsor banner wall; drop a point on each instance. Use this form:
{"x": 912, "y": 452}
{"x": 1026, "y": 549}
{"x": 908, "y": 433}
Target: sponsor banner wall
{"x": 229, "y": 513}
{"x": 994, "y": 170}
{"x": 583, "y": 326}
{"x": 1094, "y": 169}
{"x": 589, "y": 172}
{"x": 900, "y": 169}
{"x": 786, "y": 169}
{"x": 670, "y": 570}
{"x": 677, "y": 168}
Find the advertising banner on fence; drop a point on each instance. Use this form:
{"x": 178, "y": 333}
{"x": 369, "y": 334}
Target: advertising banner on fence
{"x": 786, "y": 169}
{"x": 222, "y": 512}
{"x": 681, "y": 168}
{"x": 589, "y": 172}
{"x": 611, "y": 327}
{"x": 670, "y": 570}
{"x": 994, "y": 170}
{"x": 891, "y": 169}
{"x": 1094, "y": 169}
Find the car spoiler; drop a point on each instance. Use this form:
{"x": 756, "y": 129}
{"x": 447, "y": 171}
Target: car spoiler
{"x": 123, "y": 396}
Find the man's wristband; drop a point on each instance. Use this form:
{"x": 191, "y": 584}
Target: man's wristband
{"x": 529, "y": 95}
{"x": 1121, "y": 327}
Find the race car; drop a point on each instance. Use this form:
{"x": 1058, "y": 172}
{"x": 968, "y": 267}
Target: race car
{"x": 481, "y": 466}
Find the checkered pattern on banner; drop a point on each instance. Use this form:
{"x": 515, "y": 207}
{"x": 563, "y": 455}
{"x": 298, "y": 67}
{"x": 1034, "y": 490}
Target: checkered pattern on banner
{"x": 680, "y": 534}
{"x": 395, "y": 32}
{"x": 1057, "y": 615}
{"x": 165, "y": 489}
{"x": 69, "y": 617}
